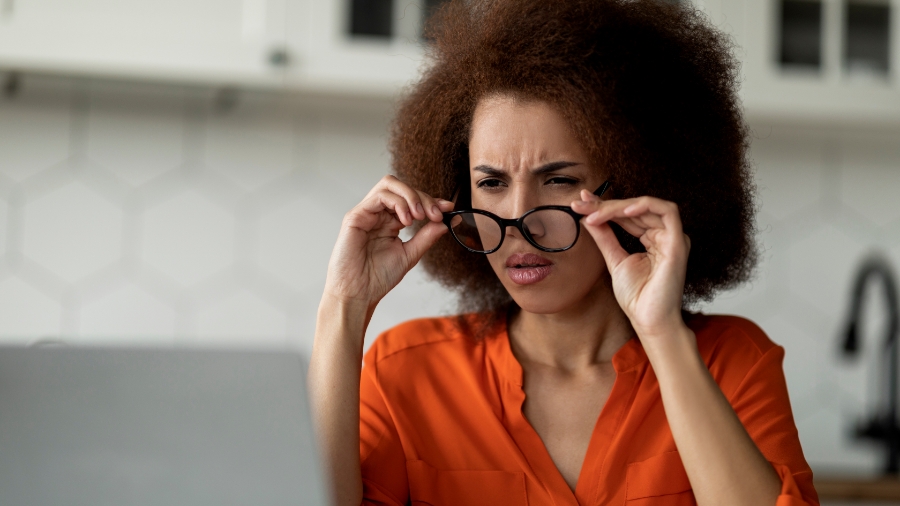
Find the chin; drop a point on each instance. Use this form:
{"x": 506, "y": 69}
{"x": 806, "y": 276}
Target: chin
{"x": 541, "y": 305}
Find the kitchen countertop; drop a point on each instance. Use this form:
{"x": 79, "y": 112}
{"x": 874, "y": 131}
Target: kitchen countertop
{"x": 868, "y": 490}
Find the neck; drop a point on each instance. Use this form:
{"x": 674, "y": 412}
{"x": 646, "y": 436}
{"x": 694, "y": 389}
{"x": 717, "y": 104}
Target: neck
{"x": 584, "y": 335}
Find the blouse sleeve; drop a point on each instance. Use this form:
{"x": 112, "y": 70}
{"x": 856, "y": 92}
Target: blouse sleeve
{"x": 380, "y": 452}
{"x": 761, "y": 402}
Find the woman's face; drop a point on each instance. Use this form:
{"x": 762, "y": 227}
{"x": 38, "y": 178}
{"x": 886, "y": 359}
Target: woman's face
{"x": 523, "y": 155}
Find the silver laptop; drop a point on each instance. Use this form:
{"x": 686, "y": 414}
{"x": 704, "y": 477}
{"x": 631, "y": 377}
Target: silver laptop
{"x": 99, "y": 426}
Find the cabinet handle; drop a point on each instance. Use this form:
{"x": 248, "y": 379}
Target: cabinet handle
{"x": 279, "y": 57}
{"x": 11, "y": 85}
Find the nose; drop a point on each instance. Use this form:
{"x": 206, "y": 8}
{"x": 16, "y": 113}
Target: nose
{"x": 535, "y": 226}
{"x": 523, "y": 199}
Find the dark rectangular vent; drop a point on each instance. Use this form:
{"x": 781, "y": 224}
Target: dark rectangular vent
{"x": 371, "y": 18}
{"x": 801, "y": 34}
{"x": 867, "y": 38}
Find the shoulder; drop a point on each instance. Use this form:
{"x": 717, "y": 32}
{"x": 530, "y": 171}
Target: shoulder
{"x": 424, "y": 358}
{"x": 421, "y": 340}
{"x": 733, "y": 332}
{"x": 734, "y": 348}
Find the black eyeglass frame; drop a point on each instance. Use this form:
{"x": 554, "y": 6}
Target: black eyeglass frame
{"x": 519, "y": 223}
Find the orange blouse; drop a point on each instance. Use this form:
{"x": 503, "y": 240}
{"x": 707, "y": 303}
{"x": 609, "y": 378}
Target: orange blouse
{"x": 441, "y": 422}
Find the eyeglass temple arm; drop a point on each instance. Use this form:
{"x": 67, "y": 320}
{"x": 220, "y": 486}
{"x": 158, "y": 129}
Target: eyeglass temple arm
{"x": 603, "y": 187}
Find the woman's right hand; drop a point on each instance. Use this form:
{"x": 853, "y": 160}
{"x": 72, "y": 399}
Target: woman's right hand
{"x": 369, "y": 258}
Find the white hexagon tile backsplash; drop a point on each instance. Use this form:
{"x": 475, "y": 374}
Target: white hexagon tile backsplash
{"x": 151, "y": 215}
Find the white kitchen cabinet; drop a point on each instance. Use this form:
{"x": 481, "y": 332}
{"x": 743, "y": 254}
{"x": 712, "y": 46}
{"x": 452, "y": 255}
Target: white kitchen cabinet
{"x": 208, "y": 41}
{"x": 827, "y": 96}
{"x": 300, "y": 45}
{"x": 333, "y": 61}
{"x": 305, "y": 46}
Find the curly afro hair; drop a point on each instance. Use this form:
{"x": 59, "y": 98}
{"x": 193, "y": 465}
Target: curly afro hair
{"x": 649, "y": 89}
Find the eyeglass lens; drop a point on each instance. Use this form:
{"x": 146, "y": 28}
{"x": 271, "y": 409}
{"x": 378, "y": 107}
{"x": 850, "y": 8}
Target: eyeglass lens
{"x": 476, "y": 231}
{"x": 550, "y": 228}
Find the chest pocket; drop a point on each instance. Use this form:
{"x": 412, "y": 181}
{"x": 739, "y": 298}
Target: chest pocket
{"x": 658, "y": 481}
{"x": 434, "y": 487}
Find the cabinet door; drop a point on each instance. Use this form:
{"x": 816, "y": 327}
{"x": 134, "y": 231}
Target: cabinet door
{"x": 194, "y": 40}
{"x": 331, "y": 61}
{"x": 823, "y": 95}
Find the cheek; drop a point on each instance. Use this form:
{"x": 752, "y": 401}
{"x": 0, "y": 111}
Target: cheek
{"x": 583, "y": 263}
{"x": 498, "y": 260}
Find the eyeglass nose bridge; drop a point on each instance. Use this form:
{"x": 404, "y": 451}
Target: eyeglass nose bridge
{"x": 516, "y": 223}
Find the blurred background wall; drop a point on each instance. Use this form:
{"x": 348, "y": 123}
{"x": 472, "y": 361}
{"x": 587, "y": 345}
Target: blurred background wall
{"x": 155, "y": 214}
{"x": 181, "y": 180}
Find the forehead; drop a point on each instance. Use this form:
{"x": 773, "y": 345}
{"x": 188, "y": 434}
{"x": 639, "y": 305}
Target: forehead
{"x": 513, "y": 133}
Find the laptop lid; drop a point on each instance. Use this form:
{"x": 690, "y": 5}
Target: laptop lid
{"x": 102, "y": 426}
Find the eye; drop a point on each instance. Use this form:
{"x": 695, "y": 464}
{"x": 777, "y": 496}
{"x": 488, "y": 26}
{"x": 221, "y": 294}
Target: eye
{"x": 489, "y": 183}
{"x": 562, "y": 180}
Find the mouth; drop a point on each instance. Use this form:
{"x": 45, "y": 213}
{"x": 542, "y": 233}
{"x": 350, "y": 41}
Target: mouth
{"x": 523, "y": 260}
{"x": 527, "y": 268}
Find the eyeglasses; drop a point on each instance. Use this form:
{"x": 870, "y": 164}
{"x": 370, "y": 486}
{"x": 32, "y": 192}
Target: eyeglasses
{"x": 547, "y": 228}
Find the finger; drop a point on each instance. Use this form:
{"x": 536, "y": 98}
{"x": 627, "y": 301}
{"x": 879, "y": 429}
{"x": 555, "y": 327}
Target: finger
{"x": 413, "y": 197}
{"x": 634, "y": 226}
{"x": 445, "y": 205}
{"x": 391, "y": 184}
{"x": 588, "y": 203}
{"x": 629, "y": 225}
{"x": 605, "y": 210}
{"x": 647, "y": 210}
{"x": 382, "y": 184}
{"x": 606, "y": 240}
{"x": 639, "y": 224}
{"x": 385, "y": 200}
{"x": 432, "y": 208}
{"x": 667, "y": 211}
{"x": 422, "y": 241}
{"x": 591, "y": 210}
{"x": 629, "y": 207}
{"x": 587, "y": 196}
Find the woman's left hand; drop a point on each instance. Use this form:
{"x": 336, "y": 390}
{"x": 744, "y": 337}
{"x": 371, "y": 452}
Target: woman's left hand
{"x": 648, "y": 286}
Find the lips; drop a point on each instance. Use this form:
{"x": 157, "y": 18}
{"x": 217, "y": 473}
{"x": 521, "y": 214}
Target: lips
{"x": 527, "y": 268}
{"x": 527, "y": 260}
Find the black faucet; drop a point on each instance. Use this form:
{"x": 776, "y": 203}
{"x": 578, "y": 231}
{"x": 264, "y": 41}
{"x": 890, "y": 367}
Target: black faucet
{"x": 882, "y": 426}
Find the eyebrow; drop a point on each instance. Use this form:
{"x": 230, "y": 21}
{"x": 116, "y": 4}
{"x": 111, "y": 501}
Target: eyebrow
{"x": 543, "y": 169}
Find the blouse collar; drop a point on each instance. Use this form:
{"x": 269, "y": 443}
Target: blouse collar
{"x": 628, "y": 357}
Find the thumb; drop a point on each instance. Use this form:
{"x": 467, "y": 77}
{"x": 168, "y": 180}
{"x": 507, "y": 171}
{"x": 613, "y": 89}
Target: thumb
{"x": 423, "y": 240}
{"x": 609, "y": 246}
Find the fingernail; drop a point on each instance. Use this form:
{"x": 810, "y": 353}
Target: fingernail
{"x": 419, "y": 208}
{"x": 442, "y": 202}
{"x": 435, "y": 210}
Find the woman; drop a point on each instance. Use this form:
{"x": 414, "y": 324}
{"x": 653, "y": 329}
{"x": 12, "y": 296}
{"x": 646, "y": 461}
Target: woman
{"x": 576, "y": 378}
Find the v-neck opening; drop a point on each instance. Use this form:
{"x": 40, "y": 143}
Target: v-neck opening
{"x": 605, "y": 426}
